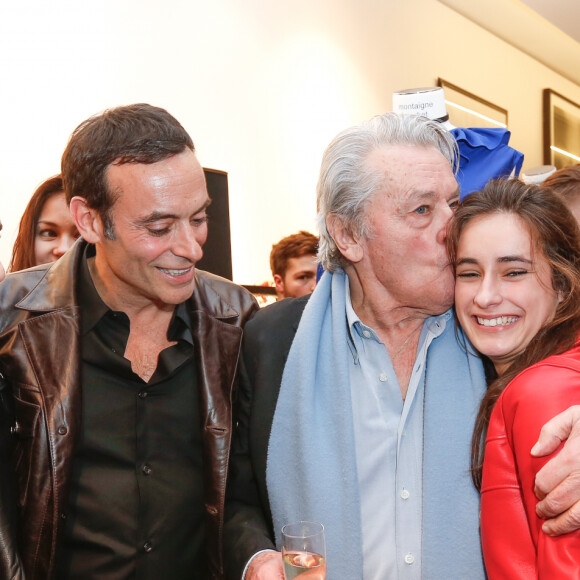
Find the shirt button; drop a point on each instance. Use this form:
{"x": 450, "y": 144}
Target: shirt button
{"x": 148, "y": 546}
{"x": 405, "y": 494}
{"x": 366, "y": 333}
{"x": 383, "y": 377}
{"x": 147, "y": 470}
{"x": 62, "y": 430}
{"x": 409, "y": 558}
{"x": 142, "y": 394}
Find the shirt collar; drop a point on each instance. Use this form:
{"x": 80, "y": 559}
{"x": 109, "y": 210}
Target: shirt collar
{"x": 354, "y": 325}
{"x": 432, "y": 327}
{"x": 91, "y": 304}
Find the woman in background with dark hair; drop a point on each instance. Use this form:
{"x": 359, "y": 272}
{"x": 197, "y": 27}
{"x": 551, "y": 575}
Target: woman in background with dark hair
{"x": 516, "y": 253}
{"x": 2, "y": 272}
{"x": 46, "y": 228}
{"x": 566, "y": 183}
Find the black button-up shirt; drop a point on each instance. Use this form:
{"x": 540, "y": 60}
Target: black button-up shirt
{"x": 136, "y": 501}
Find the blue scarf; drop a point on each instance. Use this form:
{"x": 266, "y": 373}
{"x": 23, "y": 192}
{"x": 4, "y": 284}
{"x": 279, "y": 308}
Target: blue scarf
{"x": 311, "y": 467}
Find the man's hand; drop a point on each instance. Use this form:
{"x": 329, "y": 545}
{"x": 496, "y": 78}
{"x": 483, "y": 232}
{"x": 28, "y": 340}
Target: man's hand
{"x": 266, "y": 566}
{"x": 558, "y": 482}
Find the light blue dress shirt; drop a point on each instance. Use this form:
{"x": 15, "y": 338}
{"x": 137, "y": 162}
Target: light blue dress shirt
{"x": 389, "y": 450}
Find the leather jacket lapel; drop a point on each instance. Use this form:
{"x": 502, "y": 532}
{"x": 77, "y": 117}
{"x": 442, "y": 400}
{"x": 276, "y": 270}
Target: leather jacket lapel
{"x": 218, "y": 345}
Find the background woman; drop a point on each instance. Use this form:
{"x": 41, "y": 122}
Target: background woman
{"x": 46, "y": 228}
{"x": 2, "y": 272}
{"x": 516, "y": 253}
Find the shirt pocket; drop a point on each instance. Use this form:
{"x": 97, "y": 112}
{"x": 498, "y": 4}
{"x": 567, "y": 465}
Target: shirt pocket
{"x": 24, "y": 429}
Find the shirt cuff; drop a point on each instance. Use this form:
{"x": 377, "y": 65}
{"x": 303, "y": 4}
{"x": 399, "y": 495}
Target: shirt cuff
{"x": 252, "y": 559}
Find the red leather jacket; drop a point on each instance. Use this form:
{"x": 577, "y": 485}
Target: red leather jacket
{"x": 514, "y": 545}
{"x": 41, "y": 406}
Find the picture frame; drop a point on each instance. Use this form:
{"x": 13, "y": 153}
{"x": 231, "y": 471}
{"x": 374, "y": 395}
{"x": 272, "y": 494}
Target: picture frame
{"x": 466, "y": 109}
{"x": 561, "y": 118}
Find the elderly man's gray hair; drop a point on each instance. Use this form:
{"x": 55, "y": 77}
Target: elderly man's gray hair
{"x": 346, "y": 183}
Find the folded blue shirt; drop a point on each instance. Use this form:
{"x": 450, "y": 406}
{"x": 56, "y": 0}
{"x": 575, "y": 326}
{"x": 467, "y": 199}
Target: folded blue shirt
{"x": 484, "y": 155}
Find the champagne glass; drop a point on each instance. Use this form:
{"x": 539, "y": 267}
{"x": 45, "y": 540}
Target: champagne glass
{"x": 304, "y": 551}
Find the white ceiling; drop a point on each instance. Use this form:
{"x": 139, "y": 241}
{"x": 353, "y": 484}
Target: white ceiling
{"x": 565, "y": 14}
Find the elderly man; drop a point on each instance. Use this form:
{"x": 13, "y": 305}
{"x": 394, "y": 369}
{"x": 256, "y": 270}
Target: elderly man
{"x": 117, "y": 366}
{"x": 360, "y": 414}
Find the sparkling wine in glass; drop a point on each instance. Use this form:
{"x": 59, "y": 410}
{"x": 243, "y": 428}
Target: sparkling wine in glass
{"x": 304, "y": 551}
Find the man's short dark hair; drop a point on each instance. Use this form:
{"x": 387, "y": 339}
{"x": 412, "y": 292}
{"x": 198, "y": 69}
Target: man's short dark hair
{"x": 295, "y": 246}
{"x": 137, "y": 133}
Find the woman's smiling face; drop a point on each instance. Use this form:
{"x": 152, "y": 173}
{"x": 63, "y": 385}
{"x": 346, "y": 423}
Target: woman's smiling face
{"x": 503, "y": 293}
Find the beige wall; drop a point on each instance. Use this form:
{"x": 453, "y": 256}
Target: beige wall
{"x": 261, "y": 86}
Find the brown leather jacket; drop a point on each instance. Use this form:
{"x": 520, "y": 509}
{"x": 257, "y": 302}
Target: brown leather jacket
{"x": 41, "y": 406}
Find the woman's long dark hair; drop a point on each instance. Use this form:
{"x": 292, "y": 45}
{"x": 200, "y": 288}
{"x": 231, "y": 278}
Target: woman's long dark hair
{"x": 23, "y": 251}
{"x": 556, "y": 236}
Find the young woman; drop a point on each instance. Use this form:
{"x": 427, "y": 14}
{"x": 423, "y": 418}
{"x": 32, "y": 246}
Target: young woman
{"x": 516, "y": 253}
{"x": 46, "y": 229}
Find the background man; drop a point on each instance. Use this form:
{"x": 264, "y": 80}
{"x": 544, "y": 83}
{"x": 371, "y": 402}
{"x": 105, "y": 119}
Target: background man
{"x": 117, "y": 367}
{"x": 356, "y": 406}
{"x": 293, "y": 265}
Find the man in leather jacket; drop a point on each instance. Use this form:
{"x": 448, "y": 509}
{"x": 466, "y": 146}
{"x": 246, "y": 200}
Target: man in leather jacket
{"x": 117, "y": 367}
